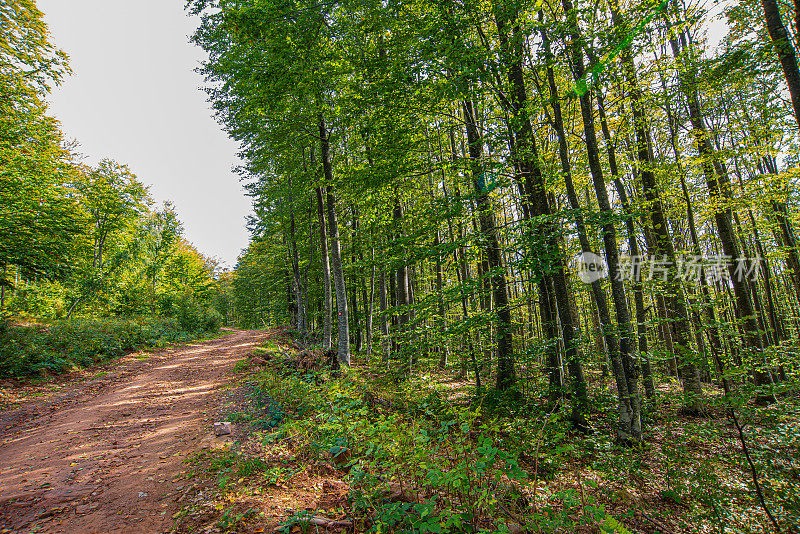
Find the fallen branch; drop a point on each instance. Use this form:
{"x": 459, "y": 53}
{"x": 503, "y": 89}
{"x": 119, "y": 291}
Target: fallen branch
{"x": 329, "y": 523}
{"x": 323, "y": 522}
{"x": 658, "y": 525}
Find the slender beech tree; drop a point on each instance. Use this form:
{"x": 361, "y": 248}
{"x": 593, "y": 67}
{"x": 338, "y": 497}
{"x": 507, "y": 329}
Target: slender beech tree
{"x": 632, "y": 420}
{"x": 337, "y": 270}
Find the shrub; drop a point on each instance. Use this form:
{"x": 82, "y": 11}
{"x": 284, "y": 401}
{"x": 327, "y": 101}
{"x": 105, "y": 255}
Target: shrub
{"x": 194, "y": 317}
{"x": 55, "y": 348}
{"x": 43, "y": 299}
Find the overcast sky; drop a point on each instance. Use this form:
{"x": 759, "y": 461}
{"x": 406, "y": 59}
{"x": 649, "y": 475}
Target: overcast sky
{"x": 134, "y": 98}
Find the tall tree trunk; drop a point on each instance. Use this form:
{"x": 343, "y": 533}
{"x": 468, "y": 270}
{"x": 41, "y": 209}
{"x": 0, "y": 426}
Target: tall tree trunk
{"x": 295, "y": 261}
{"x": 309, "y": 320}
{"x": 506, "y": 374}
{"x": 554, "y": 298}
{"x": 662, "y": 240}
{"x": 719, "y": 191}
{"x": 789, "y": 241}
{"x": 356, "y": 256}
{"x": 385, "y": 321}
{"x": 327, "y": 318}
{"x": 403, "y": 287}
{"x": 442, "y": 322}
{"x": 633, "y": 249}
{"x": 463, "y": 275}
{"x": 610, "y": 338}
{"x": 336, "y": 251}
{"x": 371, "y": 303}
{"x": 785, "y": 50}
{"x": 631, "y": 422}
{"x": 712, "y": 330}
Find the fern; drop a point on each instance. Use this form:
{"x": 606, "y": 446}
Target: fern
{"x": 612, "y": 526}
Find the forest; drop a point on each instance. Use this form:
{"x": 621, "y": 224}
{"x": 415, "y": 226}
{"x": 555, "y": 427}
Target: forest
{"x": 83, "y": 248}
{"x": 524, "y": 266}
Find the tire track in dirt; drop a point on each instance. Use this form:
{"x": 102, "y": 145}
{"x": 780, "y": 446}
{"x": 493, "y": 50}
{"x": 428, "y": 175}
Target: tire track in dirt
{"x": 105, "y": 455}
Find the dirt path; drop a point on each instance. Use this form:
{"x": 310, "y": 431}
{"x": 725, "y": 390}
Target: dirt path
{"x": 105, "y": 455}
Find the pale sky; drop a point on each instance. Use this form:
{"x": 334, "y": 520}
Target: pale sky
{"x": 134, "y": 97}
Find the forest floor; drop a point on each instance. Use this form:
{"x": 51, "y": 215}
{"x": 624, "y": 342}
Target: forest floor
{"x": 129, "y": 447}
{"x": 105, "y": 451}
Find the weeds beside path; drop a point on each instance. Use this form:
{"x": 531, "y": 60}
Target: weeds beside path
{"x": 106, "y": 454}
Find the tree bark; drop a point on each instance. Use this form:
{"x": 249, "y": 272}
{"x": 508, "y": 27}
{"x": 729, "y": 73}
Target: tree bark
{"x": 664, "y": 246}
{"x": 554, "y": 298}
{"x": 327, "y": 318}
{"x": 631, "y": 422}
{"x": 442, "y": 323}
{"x": 336, "y": 252}
{"x": 403, "y": 295}
{"x": 385, "y": 322}
{"x": 371, "y": 303}
{"x": 633, "y": 249}
{"x": 295, "y": 261}
{"x": 719, "y": 192}
{"x": 785, "y": 50}
{"x": 506, "y": 374}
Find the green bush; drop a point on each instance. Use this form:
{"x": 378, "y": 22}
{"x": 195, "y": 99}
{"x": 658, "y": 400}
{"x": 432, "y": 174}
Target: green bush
{"x": 193, "y": 316}
{"x": 44, "y": 300}
{"x": 55, "y": 348}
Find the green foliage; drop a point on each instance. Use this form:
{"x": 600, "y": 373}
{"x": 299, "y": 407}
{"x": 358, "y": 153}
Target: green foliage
{"x": 612, "y": 526}
{"x": 38, "y": 215}
{"x": 418, "y": 463}
{"x": 43, "y": 300}
{"x": 194, "y": 317}
{"x": 60, "y": 346}
{"x": 80, "y": 241}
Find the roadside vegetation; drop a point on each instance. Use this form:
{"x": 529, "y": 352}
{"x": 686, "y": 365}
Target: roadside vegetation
{"x": 46, "y": 349}
{"x": 580, "y": 216}
{"x": 539, "y": 261}
{"x": 371, "y": 451}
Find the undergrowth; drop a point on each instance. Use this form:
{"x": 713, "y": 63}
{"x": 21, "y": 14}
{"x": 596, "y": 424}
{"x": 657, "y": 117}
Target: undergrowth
{"x": 426, "y": 455}
{"x": 27, "y": 351}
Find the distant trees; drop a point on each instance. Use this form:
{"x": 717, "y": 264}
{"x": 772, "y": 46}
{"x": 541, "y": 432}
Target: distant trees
{"x": 113, "y": 198}
{"x": 37, "y": 211}
{"x": 75, "y": 239}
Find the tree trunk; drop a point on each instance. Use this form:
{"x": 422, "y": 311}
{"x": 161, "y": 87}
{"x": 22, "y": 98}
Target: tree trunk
{"x": 712, "y": 330}
{"x": 631, "y": 423}
{"x": 403, "y": 290}
{"x": 385, "y": 322}
{"x": 295, "y": 261}
{"x": 327, "y": 318}
{"x": 442, "y": 323}
{"x": 356, "y": 256}
{"x": 611, "y": 341}
{"x": 785, "y": 50}
{"x": 554, "y": 298}
{"x": 719, "y": 192}
{"x": 506, "y": 374}
{"x": 336, "y": 252}
{"x": 664, "y": 247}
{"x": 371, "y": 304}
{"x": 463, "y": 275}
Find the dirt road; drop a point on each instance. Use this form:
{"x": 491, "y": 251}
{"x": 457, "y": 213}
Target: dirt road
{"x": 105, "y": 454}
